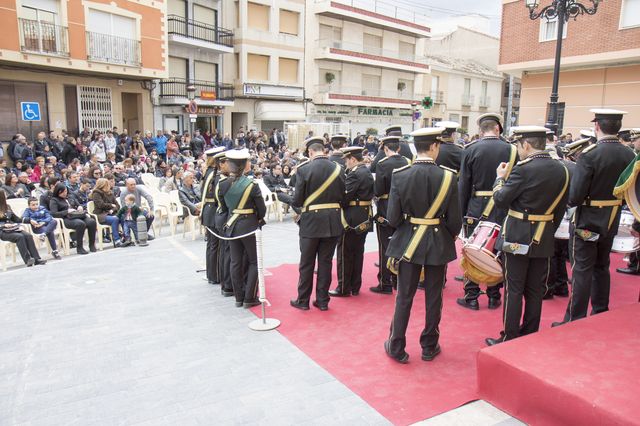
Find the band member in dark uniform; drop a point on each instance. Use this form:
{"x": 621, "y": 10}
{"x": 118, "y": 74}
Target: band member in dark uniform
{"x": 357, "y": 213}
{"x": 208, "y": 213}
{"x": 391, "y": 160}
{"x": 404, "y": 149}
{"x": 480, "y": 159}
{"x": 535, "y": 195}
{"x": 337, "y": 143}
{"x": 631, "y": 138}
{"x": 424, "y": 209}
{"x": 450, "y": 152}
{"x": 319, "y": 193}
{"x": 224, "y": 255}
{"x": 243, "y": 202}
{"x": 597, "y": 215}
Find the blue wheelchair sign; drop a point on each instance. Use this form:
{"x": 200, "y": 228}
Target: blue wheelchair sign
{"x": 30, "y": 111}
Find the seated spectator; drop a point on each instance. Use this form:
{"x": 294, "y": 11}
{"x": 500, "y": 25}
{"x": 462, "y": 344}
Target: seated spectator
{"x": 45, "y": 198}
{"x": 23, "y": 179}
{"x": 75, "y": 217}
{"x": 42, "y": 223}
{"x": 128, "y": 215}
{"x": 276, "y": 184}
{"x": 3, "y": 166}
{"x": 190, "y": 195}
{"x": 13, "y": 189}
{"x": 139, "y": 192}
{"x": 286, "y": 171}
{"x": 168, "y": 175}
{"x": 174, "y": 183}
{"x": 105, "y": 207}
{"x": 38, "y": 170}
{"x": 18, "y": 167}
{"x": 43, "y": 188}
{"x": 10, "y": 230}
{"x": 173, "y": 151}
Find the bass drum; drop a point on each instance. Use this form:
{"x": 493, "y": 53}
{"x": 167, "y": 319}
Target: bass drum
{"x": 624, "y": 241}
{"x": 479, "y": 258}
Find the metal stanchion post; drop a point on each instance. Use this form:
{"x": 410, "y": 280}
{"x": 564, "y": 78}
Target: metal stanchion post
{"x": 263, "y": 323}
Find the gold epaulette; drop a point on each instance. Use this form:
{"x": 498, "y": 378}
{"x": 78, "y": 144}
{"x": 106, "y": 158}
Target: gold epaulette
{"x": 383, "y": 160}
{"x": 525, "y": 161}
{"x": 449, "y": 169}
{"x": 402, "y": 168}
{"x": 587, "y": 149}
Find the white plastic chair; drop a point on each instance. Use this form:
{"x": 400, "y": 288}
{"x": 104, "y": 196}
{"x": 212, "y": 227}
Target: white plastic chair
{"x": 179, "y": 210}
{"x": 7, "y": 247}
{"x": 100, "y": 227}
{"x": 66, "y": 235}
{"x": 270, "y": 201}
{"x": 18, "y": 205}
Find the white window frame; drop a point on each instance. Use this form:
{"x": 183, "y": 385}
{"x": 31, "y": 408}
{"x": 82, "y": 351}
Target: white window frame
{"x": 543, "y": 27}
{"x": 622, "y": 13}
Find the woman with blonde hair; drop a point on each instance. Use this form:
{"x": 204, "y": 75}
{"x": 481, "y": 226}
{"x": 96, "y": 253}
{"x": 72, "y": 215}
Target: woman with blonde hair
{"x": 105, "y": 207}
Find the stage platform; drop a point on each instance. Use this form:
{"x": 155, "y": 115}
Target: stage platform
{"x": 582, "y": 373}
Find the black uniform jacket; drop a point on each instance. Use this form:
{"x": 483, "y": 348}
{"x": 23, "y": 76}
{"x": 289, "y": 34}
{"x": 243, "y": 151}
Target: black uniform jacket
{"x": 382, "y": 186}
{"x": 359, "y": 187}
{"x": 404, "y": 151}
{"x": 597, "y": 171}
{"x": 413, "y": 190}
{"x": 222, "y": 213}
{"x": 533, "y": 186}
{"x": 480, "y": 160}
{"x": 311, "y": 176}
{"x": 450, "y": 156}
{"x": 245, "y": 222}
{"x": 338, "y": 157}
{"x": 208, "y": 197}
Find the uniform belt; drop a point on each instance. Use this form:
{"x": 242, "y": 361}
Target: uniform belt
{"x": 362, "y": 203}
{"x": 383, "y": 197}
{"x": 321, "y": 207}
{"x": 243, "y": 211}
{"x": 423, "y": 221}
{"x": 602, "y": 203}
{"x": 483, "y": 193}
{"x": 531, "y": 217}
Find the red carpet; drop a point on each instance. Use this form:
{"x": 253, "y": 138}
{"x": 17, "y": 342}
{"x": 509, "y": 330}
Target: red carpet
{"x": 348, "y": 341}
{"x": 586, "y": 372}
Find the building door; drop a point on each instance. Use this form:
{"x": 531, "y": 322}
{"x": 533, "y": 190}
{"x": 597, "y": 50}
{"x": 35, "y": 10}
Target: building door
{"x": 71, "y": 110}
{"x": 204, "y": 123}
{"x": 172, "y": 123}
{"x": 238, "y": 119}
{"x": 131, "y": 112}
{"x": 11, "y": 94}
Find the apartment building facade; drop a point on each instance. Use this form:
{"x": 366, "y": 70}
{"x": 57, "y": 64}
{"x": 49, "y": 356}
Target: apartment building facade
{"x": 600, "y": 62}
{"x": 267, "y": 68}
{"x": 364, "y": 63}
{"x": 85, "y": 63}
{"x": 197, "y": 46}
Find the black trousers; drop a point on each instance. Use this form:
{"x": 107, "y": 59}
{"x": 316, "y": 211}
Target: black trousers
{"x": 350, "y": 257}
{"x": 633, "y": 261}
{"x": 558, "y": 276}
{"x": 385, "y": 277}
{"x": 211, "y": 257}
{"x": 472, "y": 289}
{"x": 524, "y": 277}
{"x": 408, "y": 276}
{"x": 24, "y": 241}
{"x": 244, "y": 268}
{"x": 79, "y": 226}
{"x": 310, "y": 249}
{"x": 224, "y": 265}
{"x": 590, "y": 276}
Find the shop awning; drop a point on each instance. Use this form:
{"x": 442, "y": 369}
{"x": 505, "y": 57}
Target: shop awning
{"x": 275, "y": 111}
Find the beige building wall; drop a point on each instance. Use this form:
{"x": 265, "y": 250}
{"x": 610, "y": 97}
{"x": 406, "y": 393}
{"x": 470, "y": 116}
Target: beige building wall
{"x": 581, "y": 90}
{"x": 468, "y": 44}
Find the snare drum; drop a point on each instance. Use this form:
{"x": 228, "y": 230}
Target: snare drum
{"x": 624, "y": 241}
{"x": 480, "y": 252}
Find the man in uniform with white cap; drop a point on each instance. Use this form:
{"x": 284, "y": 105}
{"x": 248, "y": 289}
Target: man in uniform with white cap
{"x": 450, "y": 152}
{"x": 224, "y": 253}
{"x": 424, "y": 209}
{"x": 391, "y": 160}
{"x": 535, "y": 195}
{"x": 357, "y": 214}
{"x": 404, "y": 149}
{"x": 480, "y": 159}
{"x": 597, "y": 216}
{"x": 208, "y": 213}
{"x": 319, "y": 194}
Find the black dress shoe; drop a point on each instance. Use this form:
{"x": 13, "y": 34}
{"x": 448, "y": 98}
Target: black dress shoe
{"x": 226, "y": 293}
{"x": 402, "y": 359}
{"x": 40, "y": 262}
{"x": 213, "y": 283}
{"x": 558, "y": 323}
{"x": 299, "y": 305}
{"x": 628, "y": 271}
{"x": 381, "y": 289}
{"x": 490, "y": 341}
{"x": 459, "y": 278}
{"x": 430, "y": 354}
{"x": 355, "y": 292}
{"x": 548, "y": 294}
{"x": 376, "y": 264}
{"x": 30, "y": 262}
{"x": 494, "y": 303}
{"x": 336, "y": 293}
{"x": 251, "y": 303}
{"x": 319, "y": 306}
{"x": 469, "y": 304}
{"x": 93, "y": 249}
{"x": 239, "y": 304}
{"x": 150, "y": 237}
{"x": 82, "y": 251}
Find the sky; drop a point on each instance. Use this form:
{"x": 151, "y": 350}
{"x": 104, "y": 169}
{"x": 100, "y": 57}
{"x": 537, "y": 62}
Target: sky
{"x": 444, "y": 8}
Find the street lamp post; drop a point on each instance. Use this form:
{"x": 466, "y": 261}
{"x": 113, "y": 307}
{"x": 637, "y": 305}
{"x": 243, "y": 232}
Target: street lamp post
{"x": 563, "y": 10}
{"x": 191, "y": 95}
{"x": 414, "y": 107}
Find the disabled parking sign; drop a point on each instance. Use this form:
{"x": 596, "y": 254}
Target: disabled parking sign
{"x": 30, "y": 111}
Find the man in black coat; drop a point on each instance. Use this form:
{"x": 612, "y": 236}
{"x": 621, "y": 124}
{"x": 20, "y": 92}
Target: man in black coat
{"x": 319, "y": 193}
{"x": 208, "y": 214}
{"x": 597, "y": 215}
{"x": 357, "y": 213}
{"x": 480, "y": 159}
{"x": 404, "y": 149}
{"x": 450, "y": 152}
{"x": 535, "y": 195}
{"x": 424, "y": 209}
{"x": 276, "y": 184}
{"x": 391, "y": 160}
{"x": 337, "y": 143}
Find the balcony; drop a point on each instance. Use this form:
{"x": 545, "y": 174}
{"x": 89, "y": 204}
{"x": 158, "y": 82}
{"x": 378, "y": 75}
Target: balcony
{"x": 375, "y": 13}
{"x": 437, "y": 96}
{"x": 358, "y": 96}
{"x": 173, "y": 91}
{"x": 192, "y": 33}
{"x": 467, "y": 100}
{"x": 373, "y": 56}
{"x": 43, "y": 37}
{"x": 485, "y": 102}
{"x": 113, "y": 49}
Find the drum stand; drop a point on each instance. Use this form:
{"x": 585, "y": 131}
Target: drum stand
{"x": 263, "y": 323}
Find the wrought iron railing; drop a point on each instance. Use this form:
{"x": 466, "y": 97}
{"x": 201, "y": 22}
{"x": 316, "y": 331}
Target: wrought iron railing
{"x": 43, "y": 37}
{"x": 177, "y": 88}
{"x": 467, "y": 100}
{"x": 113, "y": 49}
{"x": 199, "y": 30}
